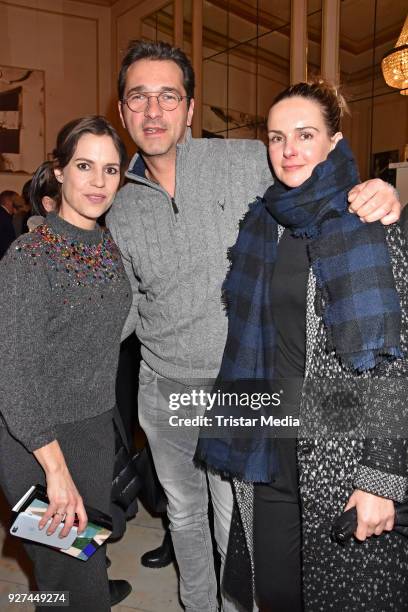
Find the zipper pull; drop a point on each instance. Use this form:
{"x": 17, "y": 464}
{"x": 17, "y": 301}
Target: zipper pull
{"x": 174, "y": 205}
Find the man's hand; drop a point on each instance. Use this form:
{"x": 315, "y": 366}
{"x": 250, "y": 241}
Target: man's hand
{"x": 375, "y": 200}
{"x": 374, "y": 514}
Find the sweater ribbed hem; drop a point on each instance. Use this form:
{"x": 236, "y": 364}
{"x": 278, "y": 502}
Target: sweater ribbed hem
{"x": 41, "y": 438}
{"x": 178, "y": 373}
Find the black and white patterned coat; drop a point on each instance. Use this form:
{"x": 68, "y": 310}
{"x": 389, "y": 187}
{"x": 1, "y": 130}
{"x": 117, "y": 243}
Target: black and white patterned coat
{"x": 353, "y": 434}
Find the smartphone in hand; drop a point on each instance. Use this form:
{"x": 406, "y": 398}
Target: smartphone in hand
{"x": 26, "y": 526}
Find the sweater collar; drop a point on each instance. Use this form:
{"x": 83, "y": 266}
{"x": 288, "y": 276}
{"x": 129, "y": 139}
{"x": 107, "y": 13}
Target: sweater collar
{"x": 72, "y": 232}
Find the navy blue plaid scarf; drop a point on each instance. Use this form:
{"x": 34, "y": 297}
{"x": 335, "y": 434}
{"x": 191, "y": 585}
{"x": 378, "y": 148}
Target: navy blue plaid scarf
{"x": 361, "y": 309}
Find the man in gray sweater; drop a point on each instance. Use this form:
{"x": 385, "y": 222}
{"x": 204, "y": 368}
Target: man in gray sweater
{"x": 174, "y": 222}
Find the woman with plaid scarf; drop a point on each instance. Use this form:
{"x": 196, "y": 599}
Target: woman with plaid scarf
{"x": 317, "y": 303}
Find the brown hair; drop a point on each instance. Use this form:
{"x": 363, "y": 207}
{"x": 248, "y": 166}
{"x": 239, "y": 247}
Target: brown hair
{"x": 327, "y": 95}
{"x": 43, "y": 184}
{"x": 7, "y": 195}
{"x": 67, "y": 140}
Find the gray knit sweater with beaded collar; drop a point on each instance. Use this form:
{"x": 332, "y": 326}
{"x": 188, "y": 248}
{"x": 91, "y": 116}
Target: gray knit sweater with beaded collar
{"x": 175, "y": 251}
{"x": 64, "y": 298}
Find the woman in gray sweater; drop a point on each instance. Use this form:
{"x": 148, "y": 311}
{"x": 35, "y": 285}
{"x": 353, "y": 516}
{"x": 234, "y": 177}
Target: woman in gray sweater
{"x": 65, "y": 296}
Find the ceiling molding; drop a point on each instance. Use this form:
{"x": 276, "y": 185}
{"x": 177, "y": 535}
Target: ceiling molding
{"x": 242, "y": 10}
{"x": 272, "y": 22}
{"x": 214, "y": 40}
{"x": 247, "y": 51}
{"x": 99, "y": 2}
{"x": 366, "y": 44}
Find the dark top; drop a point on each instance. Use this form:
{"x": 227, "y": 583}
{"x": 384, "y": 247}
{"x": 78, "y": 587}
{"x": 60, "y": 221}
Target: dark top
{"x": 7, "y": 233}
{"x": 289, "y": 285}
{"x": 64, "y": 297}
{"x": 289, "y": 306}
{"x": 404, "y": 221}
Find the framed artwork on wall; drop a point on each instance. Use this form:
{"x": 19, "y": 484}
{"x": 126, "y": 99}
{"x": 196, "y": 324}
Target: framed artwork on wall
{"x": 22, "y": 142}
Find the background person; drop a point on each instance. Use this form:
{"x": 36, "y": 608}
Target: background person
{"x": 23, "y": 210}
{"x": 66, "y": 288}
{"x": 7, "y": 210}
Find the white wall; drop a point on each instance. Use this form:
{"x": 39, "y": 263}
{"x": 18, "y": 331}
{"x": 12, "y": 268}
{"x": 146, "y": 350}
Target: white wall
{"x": 71, "y": 42}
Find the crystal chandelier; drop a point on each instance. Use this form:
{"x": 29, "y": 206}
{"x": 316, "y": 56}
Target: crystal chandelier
{"x": 395, "y": 63}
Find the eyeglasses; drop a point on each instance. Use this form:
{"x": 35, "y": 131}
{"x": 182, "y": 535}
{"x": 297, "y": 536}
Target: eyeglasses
{"x": 138, "y": 102}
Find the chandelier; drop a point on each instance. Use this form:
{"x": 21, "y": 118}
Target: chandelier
{"x": 395, "y": 63}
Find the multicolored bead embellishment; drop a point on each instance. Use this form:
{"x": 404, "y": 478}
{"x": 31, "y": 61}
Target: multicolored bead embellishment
{"x": 86, "y": 262}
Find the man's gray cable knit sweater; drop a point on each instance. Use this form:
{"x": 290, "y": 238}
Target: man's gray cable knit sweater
{"x": 175, "y": 253}
{"x": 64, "y": 298}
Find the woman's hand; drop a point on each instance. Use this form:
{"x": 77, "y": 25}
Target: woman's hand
{"x": 374, "y": 514}
{"x": 65, "y": 500}
{"x": 375, "y": 200}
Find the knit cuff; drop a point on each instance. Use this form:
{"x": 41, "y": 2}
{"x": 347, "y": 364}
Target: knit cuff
{"x": 383, "y": 484}
{"x": 39, "y": 440}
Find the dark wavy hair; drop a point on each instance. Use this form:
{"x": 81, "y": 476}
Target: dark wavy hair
{"x": 43, "y": 184}
{"x": 67, "y": 140}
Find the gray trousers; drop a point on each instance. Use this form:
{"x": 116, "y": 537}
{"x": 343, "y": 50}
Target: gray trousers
{"x": 88, "y": 448}
{"x": 186, "y": 489}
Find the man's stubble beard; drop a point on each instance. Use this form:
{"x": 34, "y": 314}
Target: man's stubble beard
{"x": 157, "y": 150}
